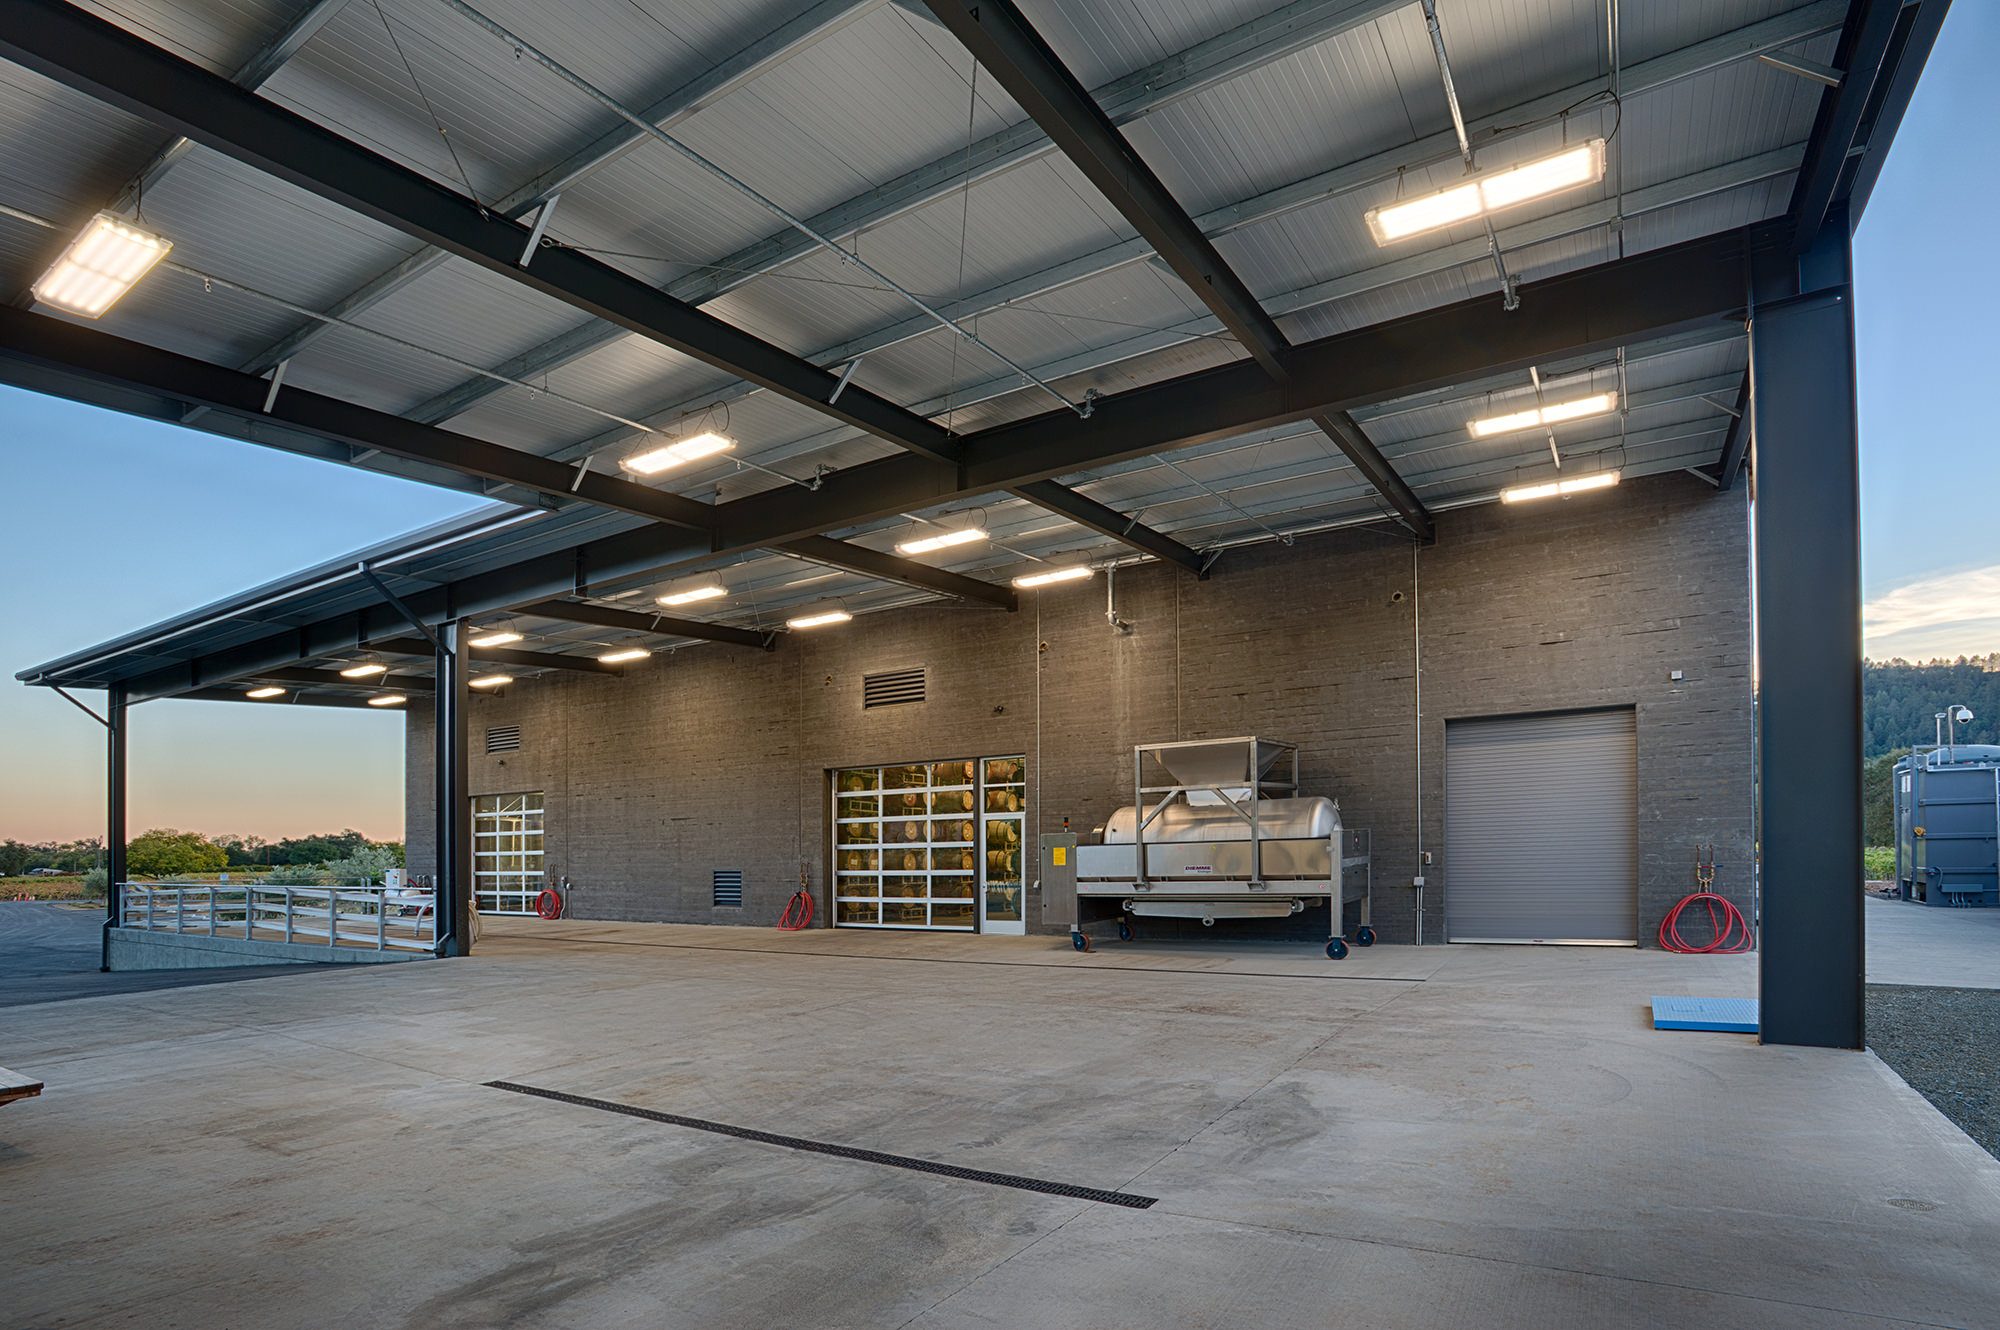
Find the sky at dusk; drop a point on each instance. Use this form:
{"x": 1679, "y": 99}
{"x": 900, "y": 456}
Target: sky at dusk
{"x": 110, "y": 523}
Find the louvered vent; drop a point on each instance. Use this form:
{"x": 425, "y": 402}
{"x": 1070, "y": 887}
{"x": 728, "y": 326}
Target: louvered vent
{"x": 729, "y": 888}
{"x": 503, "y": 739}
{"x": 892, "y": 688}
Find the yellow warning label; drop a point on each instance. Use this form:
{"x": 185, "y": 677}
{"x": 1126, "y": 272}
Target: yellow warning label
{"x": 1062, "y": 855}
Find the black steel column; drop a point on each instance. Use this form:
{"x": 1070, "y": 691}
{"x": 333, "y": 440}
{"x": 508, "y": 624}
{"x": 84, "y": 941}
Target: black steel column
{"x": 1808, "y": 541}
{"x": 454, "y": 804}
{"x": 114, "y": 813}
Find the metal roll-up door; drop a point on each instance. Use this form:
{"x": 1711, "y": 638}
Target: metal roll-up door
{"x": 1542, "y": 828}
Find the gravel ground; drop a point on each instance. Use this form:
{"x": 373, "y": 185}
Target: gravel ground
{"x": 1946, "y": 1043}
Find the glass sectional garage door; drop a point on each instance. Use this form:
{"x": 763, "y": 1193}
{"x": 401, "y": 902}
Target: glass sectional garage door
{"x": 908, "y": 839}
{"x": 507, "y": 853}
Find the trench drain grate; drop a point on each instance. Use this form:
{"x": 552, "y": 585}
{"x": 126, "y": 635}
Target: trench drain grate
{"x": 1098, "y": 1194}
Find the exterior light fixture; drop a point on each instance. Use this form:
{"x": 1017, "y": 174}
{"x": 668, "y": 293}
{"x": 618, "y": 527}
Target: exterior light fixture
{"x": 1078, "y": 573}
{"x": 1602, "y": 480}
{"x": 489, "y": 681}
{"x": 266, "y": 691}
{"x": 624, "y": 656}
{"x": 678, "y": 453}
{"x": 943, "y": 540}
{"x": 690, "y": 595}
{"x": 1489, "y": 192}
{"x": 367, "y": 669}
{"x": 388, "y": 700}
{"x": 819, "y": 618}
{"x": 494, "y": 637}
{"x": 1597, "y": 404}
{"x": 100, "y": 265}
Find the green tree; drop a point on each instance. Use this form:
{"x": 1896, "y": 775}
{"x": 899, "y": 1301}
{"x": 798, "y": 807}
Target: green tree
{"x": 1878, "y": 802}
{"x": 165, "y": 852}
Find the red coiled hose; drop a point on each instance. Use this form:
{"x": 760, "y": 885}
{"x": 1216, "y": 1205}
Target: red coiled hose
{"x": 1729, "y": 931}
{"x": 798, "y": 912}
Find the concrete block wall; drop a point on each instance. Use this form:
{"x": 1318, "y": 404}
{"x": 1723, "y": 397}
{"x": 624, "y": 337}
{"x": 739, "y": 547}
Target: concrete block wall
{"x": 716, "y": 757}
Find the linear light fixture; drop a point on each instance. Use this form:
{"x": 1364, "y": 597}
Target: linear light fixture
{"x": 1079, "y": 573}
{"x": 624, "y": 656}
{"x": 388, "y": 700}
{"x": 678, "y": 453}
{"x": 106, "y": 260}
{"x": 367, "y": 669}
{"x": 943, "y": 540}
{"x": 498, "y": 637}
{"x": 690, "y": 595}
{"x": 489, "y": 681}
{"x": 1597, "y": 404}
{"x": 1601, "y": 480}
{"x": 1489, "y": 192}
{"x": 819, "y": 618}
{"x": 266, "y": 691}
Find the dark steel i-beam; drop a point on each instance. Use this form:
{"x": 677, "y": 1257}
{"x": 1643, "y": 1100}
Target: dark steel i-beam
{"x": 116, "y": 712}
{"x": 453, "y": 794}
{"x": 1005, "y": 43}
{"x": 1808, "y": 551}
{"x": 664, "y": 625}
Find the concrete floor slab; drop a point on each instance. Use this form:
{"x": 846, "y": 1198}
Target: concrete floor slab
{"x": 1932, "y": 946}
{"x": 1487, "y": 1136}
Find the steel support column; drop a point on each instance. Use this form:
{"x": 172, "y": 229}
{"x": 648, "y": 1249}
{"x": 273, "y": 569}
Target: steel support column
{"x": 115, "y": 710}
{"x": 454, "y": 799}
{"x": 1808, "y": 546}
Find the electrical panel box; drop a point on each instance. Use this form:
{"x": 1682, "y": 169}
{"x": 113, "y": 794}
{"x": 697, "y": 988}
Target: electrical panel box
{"x": 1059, "y": 879}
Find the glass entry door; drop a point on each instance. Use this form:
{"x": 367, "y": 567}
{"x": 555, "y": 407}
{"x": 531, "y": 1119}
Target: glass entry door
{"x": 927, "y": 845}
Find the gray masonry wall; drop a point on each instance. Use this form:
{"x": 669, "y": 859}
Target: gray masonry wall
{"x": 716, "y": 757}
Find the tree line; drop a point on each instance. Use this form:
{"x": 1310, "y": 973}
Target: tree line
{"x": 1899, "y": 699}
{"x": 166, "y": 851}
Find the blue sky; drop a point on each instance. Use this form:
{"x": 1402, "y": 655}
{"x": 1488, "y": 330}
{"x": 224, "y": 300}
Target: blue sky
{"x": 112, "y": 523}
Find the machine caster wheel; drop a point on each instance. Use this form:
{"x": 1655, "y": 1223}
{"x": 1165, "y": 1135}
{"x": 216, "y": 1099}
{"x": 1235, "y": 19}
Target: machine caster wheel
{"x": 1124, "y": 931}
{"x": 1337, "y": 949}
{"x": 1366, "y": 936}
{"x": 1081, "y": 941}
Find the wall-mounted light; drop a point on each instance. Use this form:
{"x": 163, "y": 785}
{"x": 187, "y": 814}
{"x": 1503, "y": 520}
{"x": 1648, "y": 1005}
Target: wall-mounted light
{"x": 106, "y": 260}
{"x": 266, "y": 691}
{"x": 819, "y": 618}
{"x": 1600, "y": 480}
{"x": 388, "y": 700}
{"x": 943, "y": 540}
{"x": 695, "y": 594}
{"x": 1555, "y": 413}
{"x": 1078, "y": 573}
{"x": 489, "y": 681}
{"x": 367, "y": 669}
{"x": 680, "y": 452}
{"x": 1489, "y": 192}
{"x": 623, "y": 656}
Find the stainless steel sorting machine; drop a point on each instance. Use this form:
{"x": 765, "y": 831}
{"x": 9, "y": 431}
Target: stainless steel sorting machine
{"x": 1216, "y": 829}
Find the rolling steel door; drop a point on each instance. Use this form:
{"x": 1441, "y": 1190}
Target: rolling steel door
{"x": 1542, "y": 828}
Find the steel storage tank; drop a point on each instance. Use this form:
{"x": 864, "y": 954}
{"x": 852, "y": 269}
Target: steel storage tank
{"x": 1947, "y": 803}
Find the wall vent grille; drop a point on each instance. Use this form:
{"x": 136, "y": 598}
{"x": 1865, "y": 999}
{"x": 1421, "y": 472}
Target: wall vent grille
{"x": 503, "y": 739}
{"x": 892, "y": 688}
{"x": 728, "y": 888}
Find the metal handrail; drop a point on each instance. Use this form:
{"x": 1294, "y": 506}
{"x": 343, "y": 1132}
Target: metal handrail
{"x": 377, "y": 917}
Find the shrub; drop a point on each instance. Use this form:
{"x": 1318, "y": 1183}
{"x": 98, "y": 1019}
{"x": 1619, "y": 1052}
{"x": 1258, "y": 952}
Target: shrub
{"x": 96, "y": 882}
{"x": 1878, "y": 862}
{"x": 294, "y": 875}
{"x": 366, "y": 865}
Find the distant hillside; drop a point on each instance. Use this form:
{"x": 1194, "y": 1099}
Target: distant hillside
{"x": 1899, "y": 699}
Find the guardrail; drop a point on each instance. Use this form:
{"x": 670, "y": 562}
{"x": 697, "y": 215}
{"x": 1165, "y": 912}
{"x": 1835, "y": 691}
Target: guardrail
{"x": 376, "y": 917}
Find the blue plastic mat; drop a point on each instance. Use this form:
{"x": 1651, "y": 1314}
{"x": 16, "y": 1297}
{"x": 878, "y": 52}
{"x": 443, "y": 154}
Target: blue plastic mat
{"x": 1730, "y": 1015}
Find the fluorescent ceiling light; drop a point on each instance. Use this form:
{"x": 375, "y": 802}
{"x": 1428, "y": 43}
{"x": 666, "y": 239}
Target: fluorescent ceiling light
{"x": 99, "y": 266}
{"x": 499, "y": 637}
{"x": 264, "y": 692}
{"x": 709, "y": 591}
{"x": 489, "y": 681}
{"x": 819, "y": 619}
{"x": 943, "y": 540}
{"x": 1077, "y": 574}
{"x": 1576, "y": 485}
{"x": 365, "y": 670}
{"x": 678, "y": 453}
{"x": 1489, "y": 193}
{"x": 388, "y": 700}
{"x": 623, "y": 657}
{"x": 1597, "y": 404}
